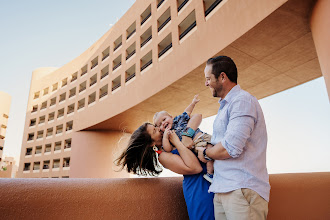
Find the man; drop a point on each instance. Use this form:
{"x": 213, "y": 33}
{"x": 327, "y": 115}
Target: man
{"x": 241, "y": 181}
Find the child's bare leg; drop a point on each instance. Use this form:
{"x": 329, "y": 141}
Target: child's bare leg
{"x": 209, "y": 167}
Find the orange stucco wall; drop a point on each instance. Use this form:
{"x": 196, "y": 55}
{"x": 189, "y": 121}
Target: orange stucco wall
{"x": 93, "y": 154}
{"x": 293, "y": 196}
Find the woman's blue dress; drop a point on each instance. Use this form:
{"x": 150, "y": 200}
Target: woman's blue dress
{"x": 195, "y": 190}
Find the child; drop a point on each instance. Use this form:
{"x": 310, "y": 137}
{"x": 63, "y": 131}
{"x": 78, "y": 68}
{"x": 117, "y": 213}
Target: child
{"x": 165, "y": 121}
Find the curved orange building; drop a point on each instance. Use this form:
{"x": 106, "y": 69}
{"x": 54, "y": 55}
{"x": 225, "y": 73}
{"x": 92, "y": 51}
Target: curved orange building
{"x": 80, "y": 115}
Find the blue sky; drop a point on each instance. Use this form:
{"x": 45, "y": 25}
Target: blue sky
{"x": 39, "y": 33}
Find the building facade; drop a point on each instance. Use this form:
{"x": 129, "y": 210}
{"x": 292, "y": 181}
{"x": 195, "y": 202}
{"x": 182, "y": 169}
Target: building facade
{"x": 5, "y": 100}
{"x": 80, "y": 115}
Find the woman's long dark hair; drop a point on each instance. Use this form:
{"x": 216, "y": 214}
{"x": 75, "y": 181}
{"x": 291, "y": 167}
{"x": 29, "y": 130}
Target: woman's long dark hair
{"x": 139, "y": 157}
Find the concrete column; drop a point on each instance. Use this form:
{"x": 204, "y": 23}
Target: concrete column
{"x": 320, "y": 26}
{"x": 93, "y": 153}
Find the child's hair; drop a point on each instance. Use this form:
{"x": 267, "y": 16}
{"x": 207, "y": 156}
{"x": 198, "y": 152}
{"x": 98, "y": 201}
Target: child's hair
{"x": 139, "y": 157}
{"x": 161, "y": 112}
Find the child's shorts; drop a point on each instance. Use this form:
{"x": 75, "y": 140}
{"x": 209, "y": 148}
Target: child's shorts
{"x": 202, "y": 141}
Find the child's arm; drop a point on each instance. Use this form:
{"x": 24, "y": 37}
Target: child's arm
{"x": 167, "y": 146}
{"x": 193, "y": 123}
{"x": 191, "y": 107}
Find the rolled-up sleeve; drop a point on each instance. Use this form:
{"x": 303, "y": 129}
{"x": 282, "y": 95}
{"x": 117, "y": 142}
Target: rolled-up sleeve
{"x": 242, "y": 118}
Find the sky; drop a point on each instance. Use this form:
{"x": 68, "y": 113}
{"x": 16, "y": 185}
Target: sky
{"x": 40, "y": 33}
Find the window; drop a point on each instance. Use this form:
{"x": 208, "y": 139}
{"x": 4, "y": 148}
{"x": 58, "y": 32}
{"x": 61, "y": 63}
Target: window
{"x": 27, "y": 166}
{"x": 105, "y": 53}
{"x": 30, "y": 136}
{"x": 131, "y": 30}
{"x": 83, "y": 70}
{"x": 146, "y": 37}
{"x": 40, "y": 134}
{"x": 209, "y": 5}
{"x": 116, "y": 63}
{"x": 74, "y": 76}
{"x": 57, "y": 146}
{"x": 130, "y": 73}
{"x": 59, "y": 129}
{"x": 52, "y": 102}
{"x": 67, "y": 143}
{"x": 62, "y": 97}
{"x": 43, "y": 105}
{"x": 130, "y": 51}
{"x": 82, "y": 86}
{"x": 116, "y": 83}
{"x": 91, "y": 98}
{"x": 46, "y": 165}
{"x": 187, "y": 25}
{"x": 28, "y": 151}
{"x": 42, "y": 119}
{"x": 33, "y": 122}
{"x": 36, "y": 95}
{"x": 146, "y": 15}
{"x": 117, "y": 43}
{"x": 146, "y": 61}
{"x": 81, "y": 103}
{"x": 55, "y": 87}
{"x": 181, "y": 3}
{"x": 164, "y": 19}
{"x": 105, "y": 72}
{"x": 51, "y": 116}
{"x": 72, "y": 92}
{"x": 64, "y": 82}
{"x": 103, "y": 91}
{"x": 49, "y": 132}
{"x": 159, "y": 3}
{"x": 38, "y": 150}
{"x": 56, "y": 163}
{"x": 66, "y": 162}
{"x": 70, "y": 109}
{"x": 69, "y": 126}
{"x": 34, "y": 108}
{"x": 94, "y": 62}
{"x": 36, "y": 166}
{"x": 60, "y": 113}
{"x": 93, "y": 80}
{"x": 48, "y": 148}
{"x": 165, "y": 45}
{"x": 46, "y": 91}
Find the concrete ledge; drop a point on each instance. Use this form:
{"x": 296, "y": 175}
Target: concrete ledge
{"x": 293, "y": 196}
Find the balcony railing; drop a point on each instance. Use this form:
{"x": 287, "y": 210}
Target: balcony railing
{"x": 84, "y": 72}
{"x": 105, "y": 56}
{"x": 104, "y": 94}
{"x": 146, "y": 18}
{"x": 146, "y": 41}
{"x": 164, "y": 23}
{"x": 128, "y": 36}
{"x": 116, "y": 86}
{"x": 182, "y": 4}
{"x": 117, "y": 46}
{"x": 164, "y": 50}
{"x": 115, "y": 67}
{"x": 146, "y": 65}
{"x": 92, "y": 83}
{"x": 212, "y": 7}
{"x": 131, "y": 54}
{"x": 28, "y": 153}
{"x": 187, "y": 30}
{"x": 94, "y": 65}
{"x": 130, "y": 77}
{"x": 160, "y": 3}
{"x": 104, "y": 75}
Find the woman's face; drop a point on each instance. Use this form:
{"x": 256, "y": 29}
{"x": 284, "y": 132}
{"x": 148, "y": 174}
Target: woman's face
{"x": 156, "y": 134}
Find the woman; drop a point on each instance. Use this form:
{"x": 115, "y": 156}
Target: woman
{"x": 140, "y": 158}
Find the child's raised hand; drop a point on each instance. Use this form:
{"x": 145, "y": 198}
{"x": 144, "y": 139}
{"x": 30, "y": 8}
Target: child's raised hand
{"x": 195, "y": 99}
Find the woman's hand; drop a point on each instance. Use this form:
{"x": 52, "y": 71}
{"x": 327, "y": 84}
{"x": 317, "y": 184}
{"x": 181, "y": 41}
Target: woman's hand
{"x": 173, "y": 137}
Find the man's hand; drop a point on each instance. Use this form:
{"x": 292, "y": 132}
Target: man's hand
{"x": 187, "y": 141}
{"x": 200, "y": 154}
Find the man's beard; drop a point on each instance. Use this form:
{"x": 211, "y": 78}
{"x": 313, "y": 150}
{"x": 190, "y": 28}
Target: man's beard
{"x": 216, "y": 91}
